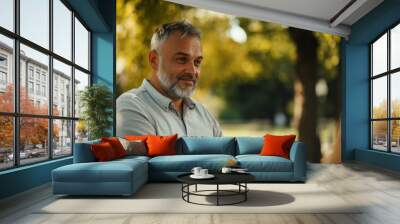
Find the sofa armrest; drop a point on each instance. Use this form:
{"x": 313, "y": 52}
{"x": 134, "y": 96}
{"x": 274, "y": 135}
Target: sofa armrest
{"x": 83, "y": 152}
{"x": 298, "y": 155}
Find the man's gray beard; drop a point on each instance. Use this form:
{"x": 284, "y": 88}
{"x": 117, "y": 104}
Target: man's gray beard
{"x": 172, "y": 88}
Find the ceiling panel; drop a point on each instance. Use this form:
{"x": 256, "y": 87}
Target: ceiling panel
{"x": 314, "y": 15}
{"x": 320, "y": 9}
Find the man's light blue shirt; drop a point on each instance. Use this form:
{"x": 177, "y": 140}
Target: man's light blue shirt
{"x": 145, "y": 111}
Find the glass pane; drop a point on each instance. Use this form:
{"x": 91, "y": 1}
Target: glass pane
{"x": 34, "y": 97}
{"x": 379, "y": 97}
{"x": 81, "y": 45}
{"x": 379, "y": 135}
{"x": 62, "y": 89}
{"x": 395, "y": 129}
{"x": 395, "y": 94}
{"x": 35, "y": 21}
{"x": 62, "y": 29}
{"x": 6, "y": 74}
{"x": 62, "y": 138}
{"x": 81, "y": 131}
{"x": 33, "y": 139}
{"x": 395, "y": 47}
{"x": 379, "y": 55}
{"x": 81, "y": 81}
{"x": 7, "y": 14}
{"x": 6, "y": 142}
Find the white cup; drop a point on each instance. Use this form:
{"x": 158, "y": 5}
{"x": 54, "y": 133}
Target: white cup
{"x": 196, "y": 170}
{"x": 226, "y": 170}
{"x": 203, "y": 172}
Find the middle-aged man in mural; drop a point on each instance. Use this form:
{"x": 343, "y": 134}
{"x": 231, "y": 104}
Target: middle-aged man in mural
{"x": 162, "y": 104}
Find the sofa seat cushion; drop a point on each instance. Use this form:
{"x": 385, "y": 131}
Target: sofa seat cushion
{"x": 185, "y": 163}
{"x": 111, "y": 171}
{"x": 257, "y": 163}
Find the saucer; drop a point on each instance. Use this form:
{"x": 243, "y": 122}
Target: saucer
{"x": 208, "y": 176}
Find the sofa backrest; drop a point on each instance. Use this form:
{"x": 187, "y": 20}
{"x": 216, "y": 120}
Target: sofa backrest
{"x": 191, "y": 146}
{"x": 249, "y": 145}
{"x": 206, "y": 145}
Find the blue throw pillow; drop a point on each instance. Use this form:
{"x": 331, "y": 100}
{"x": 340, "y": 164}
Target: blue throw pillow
{"x": 249, "y": 145}
{"x": 206, "y": 145}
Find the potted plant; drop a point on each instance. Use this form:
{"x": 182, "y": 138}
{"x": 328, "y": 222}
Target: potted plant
{"x": 96, "y": 104}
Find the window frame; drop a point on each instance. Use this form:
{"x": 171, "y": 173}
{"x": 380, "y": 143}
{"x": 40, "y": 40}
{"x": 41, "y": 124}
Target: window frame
{"x": 388, "y": 74}
{"x": 16, "y": 114}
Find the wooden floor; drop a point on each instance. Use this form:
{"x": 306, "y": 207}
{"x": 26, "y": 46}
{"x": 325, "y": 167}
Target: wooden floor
{"x": 378, "y": 189}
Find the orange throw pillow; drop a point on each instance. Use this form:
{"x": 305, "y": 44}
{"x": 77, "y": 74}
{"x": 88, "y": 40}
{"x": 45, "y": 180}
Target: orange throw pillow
{"x": 277, "y": 145}
{"x": 116, "y": 145}
{"x": 161, "y": 145}
{"x": 103, "y": 151}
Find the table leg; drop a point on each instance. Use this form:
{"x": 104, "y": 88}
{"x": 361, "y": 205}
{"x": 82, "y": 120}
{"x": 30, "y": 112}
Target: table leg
{"x": 217, "y": 194}
{"x": 245, "y": 193}
{"x": 196, "y": 188}
{"x": 188, "y": 189}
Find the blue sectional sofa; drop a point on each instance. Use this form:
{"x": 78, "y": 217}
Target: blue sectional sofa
{"x": 125, "y": 176}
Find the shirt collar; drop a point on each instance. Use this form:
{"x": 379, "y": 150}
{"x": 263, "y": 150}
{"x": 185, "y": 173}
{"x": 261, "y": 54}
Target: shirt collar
{"x": 162, "y": 100}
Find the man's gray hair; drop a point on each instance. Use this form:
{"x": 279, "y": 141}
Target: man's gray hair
{"x": 165, "y": 30}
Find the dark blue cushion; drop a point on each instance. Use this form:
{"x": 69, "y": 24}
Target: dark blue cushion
{"x": 185, "y": 163}
{"x": 249, "y": 145}
{"x": 206, "y": 145}
{"x": 83, "y": 153}
{"x": 257, "y": 163}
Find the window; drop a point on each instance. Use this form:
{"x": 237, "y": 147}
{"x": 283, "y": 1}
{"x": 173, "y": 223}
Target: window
{"x": 37, "y": 74}
{"x": 3, "y": 78}
{"x": 38, "y": 89}
{"x": 3, "y": 61}
{"x": 30, "y": 87}
{"x": 385, "y": 91}
{"x": 81, "y": 45}
{"x": 47, "y": 74}
{"x": 62, "y": 74}
{"x": 34, "y": 21}
{"x": 7, "y": 87}
{"x": 43, "y": 90}
{"x": 7, "y": 14}
{"x": 62, "y": 29}
{"x": 30, "y": 72}
{"x": 3, "y": 72}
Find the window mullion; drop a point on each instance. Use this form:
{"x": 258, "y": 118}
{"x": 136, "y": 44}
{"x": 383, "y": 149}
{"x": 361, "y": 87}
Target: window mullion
{"x": 73, "y": 83}
{"x": 16, "y": 69}
{"x": 371, "y": 89}
{"x": 389, "y": 76}
{"x": 50, "y": 81}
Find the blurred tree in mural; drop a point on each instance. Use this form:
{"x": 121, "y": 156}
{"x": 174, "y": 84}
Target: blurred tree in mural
{"x": 255, "y": 70}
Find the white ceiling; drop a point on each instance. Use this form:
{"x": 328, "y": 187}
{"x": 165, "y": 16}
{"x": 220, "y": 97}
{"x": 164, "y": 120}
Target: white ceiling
{"x": 325, "y": 16}
{"x": 321, "y": 9}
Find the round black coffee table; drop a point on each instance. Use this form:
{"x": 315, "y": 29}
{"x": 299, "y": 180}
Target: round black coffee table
{"x": 238, "y": 179}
